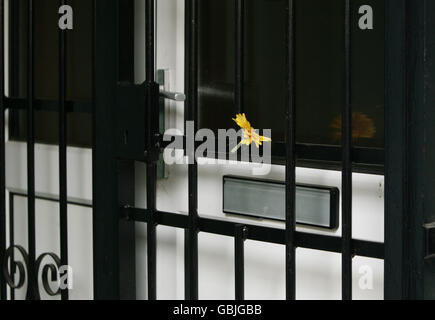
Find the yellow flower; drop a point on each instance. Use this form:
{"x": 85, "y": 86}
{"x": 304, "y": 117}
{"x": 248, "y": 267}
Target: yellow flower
{"x": 249, "y": 133}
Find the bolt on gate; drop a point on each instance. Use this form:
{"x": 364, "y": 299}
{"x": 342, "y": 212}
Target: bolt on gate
{"x": 117, "y": 106}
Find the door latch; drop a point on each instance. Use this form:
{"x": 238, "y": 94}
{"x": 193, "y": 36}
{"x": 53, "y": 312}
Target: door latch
{"x": 175, "y": 96}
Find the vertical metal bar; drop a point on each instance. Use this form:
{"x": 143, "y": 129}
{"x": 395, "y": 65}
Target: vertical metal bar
{"x": 63, "y": 207}
{"x": 127, "y": 234}
{"x": 290, "y": 175}
{"x": 419, "y": 144}
{"x": 104, "y": 177}
{"x": 396, "y": 150}
{"x": 11, "y": 238}
{"x": 347, "y": 162}
{"x": 152, "y": 129}
{"x": 2, "y": 152}
{"x": 239, "y": 261}
{"x": 14, "y": 47}
{"x": 191, "y": 236}
{"x": 31, "y": 292}
{"x": 149, "y": 41}
{"x": 409, "y": 148}
{"x": 240, "y": 46}
{"x": 126, "y": 43}
{"x": 151, "y": 231}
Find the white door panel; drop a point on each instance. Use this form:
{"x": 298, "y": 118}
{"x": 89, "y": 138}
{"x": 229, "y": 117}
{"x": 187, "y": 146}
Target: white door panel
{"x": 47, "y": 169}
{"x": 47, "y": 212}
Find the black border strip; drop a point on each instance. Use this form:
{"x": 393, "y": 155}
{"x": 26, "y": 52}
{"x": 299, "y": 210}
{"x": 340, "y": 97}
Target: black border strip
{"x": 3, "y": 294}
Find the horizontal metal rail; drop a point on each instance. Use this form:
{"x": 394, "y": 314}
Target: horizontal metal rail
{"x": 50, "y": 197}
{"x": 360, "y": 248}
{"x": 48, "y": 105}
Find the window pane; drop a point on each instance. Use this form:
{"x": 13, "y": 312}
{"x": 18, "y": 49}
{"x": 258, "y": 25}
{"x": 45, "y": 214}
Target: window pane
{"x": 265, "y": 65}
{"x": 46, "y": 68}
{"x": 46, "y": 41}
{"x": 368, "y": 72}
{"x": 216, "y": 63}
{"x": 319, "y": 69}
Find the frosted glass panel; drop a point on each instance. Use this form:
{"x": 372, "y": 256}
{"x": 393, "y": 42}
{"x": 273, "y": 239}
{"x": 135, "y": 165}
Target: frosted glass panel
{"x": 315, "y": 205}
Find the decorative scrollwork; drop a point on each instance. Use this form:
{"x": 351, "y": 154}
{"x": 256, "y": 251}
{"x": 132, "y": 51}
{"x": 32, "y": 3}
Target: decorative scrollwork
{"x": 52, "y": 268}
{"x": 17, "y": 280}
{"x": 9, "y": 270}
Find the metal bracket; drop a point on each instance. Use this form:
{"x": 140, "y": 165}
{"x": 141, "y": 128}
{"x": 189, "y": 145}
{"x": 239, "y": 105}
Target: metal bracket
{"x": 429, "y": 241}
{"x": 130, "y": 114}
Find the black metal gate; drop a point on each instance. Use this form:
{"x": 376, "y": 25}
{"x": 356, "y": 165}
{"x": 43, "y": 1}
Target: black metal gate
{"x": 118, "y": 107}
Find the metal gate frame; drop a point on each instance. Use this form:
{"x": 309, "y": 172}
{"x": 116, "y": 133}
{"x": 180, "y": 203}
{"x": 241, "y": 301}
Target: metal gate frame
{"x": 105, "y": 187}
{"x": 409, "y": 152}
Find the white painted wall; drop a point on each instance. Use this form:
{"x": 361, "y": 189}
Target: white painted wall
{"x": 318, "y": 273}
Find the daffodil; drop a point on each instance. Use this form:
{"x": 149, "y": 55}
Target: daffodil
{"x": 249, "y": 133}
